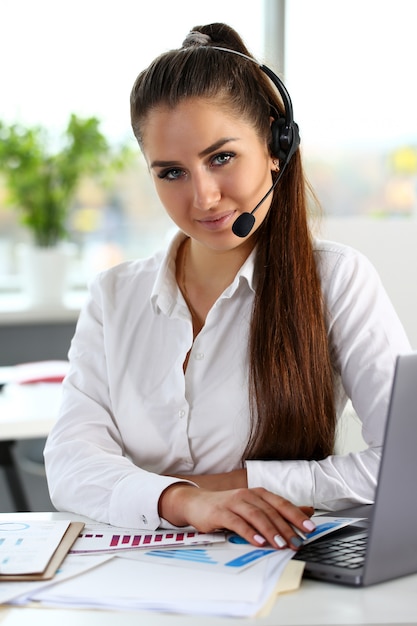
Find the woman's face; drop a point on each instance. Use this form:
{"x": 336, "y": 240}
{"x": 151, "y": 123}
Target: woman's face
{"x": 208, "y": 166}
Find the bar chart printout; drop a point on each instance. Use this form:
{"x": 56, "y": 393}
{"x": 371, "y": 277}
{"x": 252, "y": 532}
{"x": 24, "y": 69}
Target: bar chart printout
{"x": 103, "y": 538}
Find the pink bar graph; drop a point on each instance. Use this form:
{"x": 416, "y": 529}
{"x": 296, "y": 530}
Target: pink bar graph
{"x": 125, "y": 539}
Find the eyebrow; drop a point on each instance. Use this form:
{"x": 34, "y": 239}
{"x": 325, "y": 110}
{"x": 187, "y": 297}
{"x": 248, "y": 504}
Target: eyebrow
{"x": 215, "y": 146}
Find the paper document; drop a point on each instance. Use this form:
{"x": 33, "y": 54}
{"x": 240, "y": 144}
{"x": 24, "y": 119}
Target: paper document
{"x": 231, "y": 556}
{"x": 22, "y": 592}
{"x": 27, "y": 547}
{"x": 103, "y": 538}
{"x": 224, "y": 577}
{"x": 123, "y": 583}
{"x": 328, "y": 524}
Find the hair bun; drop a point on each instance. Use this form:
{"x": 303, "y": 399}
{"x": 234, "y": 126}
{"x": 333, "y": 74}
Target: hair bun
{"x": 195, "y": 38}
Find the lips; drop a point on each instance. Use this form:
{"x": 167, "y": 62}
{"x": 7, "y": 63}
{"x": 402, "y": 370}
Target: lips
{"x": 216, "y": 222}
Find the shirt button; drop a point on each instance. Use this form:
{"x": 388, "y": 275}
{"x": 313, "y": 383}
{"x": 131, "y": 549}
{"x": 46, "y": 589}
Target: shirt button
{"x": 199, "y": 356}
{"x": 181, "y": 414}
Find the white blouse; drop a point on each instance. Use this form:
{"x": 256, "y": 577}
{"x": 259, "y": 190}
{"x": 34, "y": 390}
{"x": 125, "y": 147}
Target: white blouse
{"x": 130, "y": 418}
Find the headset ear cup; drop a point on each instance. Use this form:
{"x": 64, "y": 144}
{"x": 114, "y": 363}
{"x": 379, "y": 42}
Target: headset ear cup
{"x": 281, "y": 139}
{"x": 285, "y": 139}
{"x": 275, "y": 139}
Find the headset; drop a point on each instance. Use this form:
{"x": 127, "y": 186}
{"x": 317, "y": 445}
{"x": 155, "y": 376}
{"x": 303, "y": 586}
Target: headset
{"x": 285, "y": 140}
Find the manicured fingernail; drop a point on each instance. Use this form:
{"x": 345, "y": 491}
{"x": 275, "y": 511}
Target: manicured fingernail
{"x": 309, "y": 525}
{"x": 259, "y": 539}
{"x": 280, "y": 541}
{"x": 298, "y": 532}
{"x": 296, "y": 542}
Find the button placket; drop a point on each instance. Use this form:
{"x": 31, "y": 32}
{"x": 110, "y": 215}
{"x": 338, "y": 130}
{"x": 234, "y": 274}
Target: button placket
{"x": 185, "y": 453}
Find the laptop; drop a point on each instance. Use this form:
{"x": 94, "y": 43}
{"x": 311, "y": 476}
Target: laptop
{"x": 384, "y": 545}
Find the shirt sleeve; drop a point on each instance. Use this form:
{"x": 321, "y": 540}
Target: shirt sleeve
{"x": 365, "y": 336}
{"x": 87, "y": 469}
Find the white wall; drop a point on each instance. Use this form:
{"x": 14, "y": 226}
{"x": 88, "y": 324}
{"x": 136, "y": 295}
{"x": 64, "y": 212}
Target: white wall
{"x": 391, "y": 245}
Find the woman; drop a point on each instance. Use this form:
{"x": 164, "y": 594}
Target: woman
{"x": 205, "y": 383}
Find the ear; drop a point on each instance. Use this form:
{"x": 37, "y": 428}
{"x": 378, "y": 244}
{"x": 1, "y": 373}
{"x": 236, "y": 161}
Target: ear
{"x": 273, "y": 158}
{"x": 274, "y": 163}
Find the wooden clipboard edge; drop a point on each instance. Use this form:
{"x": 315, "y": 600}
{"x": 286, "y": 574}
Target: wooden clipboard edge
{"x": 65, "y": 545}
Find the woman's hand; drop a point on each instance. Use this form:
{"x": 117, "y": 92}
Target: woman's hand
{"x": 257, "y": 515}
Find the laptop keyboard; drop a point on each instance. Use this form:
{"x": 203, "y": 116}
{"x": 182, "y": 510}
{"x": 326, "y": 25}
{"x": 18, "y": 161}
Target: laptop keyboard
{"x": 348, "y": 553}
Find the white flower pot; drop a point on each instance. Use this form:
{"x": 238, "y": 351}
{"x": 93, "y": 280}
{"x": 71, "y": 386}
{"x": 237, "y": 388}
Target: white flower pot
{"x": 44, "y": 274}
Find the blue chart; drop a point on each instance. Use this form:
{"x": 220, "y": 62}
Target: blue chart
{"x": 210, "y": 558}
{"x": 196, "y": 555}
{"x": 28, "y": 547}
{"x": 10, "y": 538}
{"x": 13, "y": 527}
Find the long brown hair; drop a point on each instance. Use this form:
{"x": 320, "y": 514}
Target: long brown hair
{"x": 290, "y": 370}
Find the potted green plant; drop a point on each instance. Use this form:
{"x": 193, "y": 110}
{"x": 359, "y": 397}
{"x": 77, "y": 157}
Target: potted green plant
{"x": 42, "y": 175}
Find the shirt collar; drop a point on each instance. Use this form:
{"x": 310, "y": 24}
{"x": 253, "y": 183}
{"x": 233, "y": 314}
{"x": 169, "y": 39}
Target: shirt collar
{"x": 165, "y": 294}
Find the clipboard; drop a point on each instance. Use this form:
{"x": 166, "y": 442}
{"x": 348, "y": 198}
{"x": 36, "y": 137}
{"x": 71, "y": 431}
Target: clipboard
{"x": 66, "y": 543}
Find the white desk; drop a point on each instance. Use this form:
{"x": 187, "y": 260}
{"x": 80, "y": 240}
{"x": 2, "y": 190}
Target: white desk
{"x": 315, "y": 603}
{"x": 26, "y": 412}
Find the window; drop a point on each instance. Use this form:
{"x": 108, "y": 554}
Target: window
{"x": 350, "y": 71}
{"x": 83, "y": 57}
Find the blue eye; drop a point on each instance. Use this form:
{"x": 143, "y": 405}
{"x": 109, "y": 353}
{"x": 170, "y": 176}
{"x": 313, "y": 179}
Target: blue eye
{"x": 171, "y": 174}
{"x": 223, "y": 158}
{"x": 175, "y": 173}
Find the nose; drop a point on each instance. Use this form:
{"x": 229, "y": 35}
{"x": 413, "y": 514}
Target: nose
{"x": 206, "y": 191}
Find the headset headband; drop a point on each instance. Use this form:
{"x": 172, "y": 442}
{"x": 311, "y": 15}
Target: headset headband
{"x": 285, "y": 132}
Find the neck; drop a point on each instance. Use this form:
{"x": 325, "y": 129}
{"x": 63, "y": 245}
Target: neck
{"x": 214, "y": 270}
{"x": 203, "y": 274}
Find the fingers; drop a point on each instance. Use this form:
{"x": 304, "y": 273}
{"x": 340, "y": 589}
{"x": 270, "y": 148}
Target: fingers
{"x": 292, "y": 522}
{"x": 257, "y": 515}
{"x": 308, "y": 510}
{"x": 273, "y": 518}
